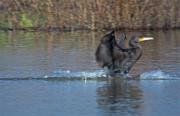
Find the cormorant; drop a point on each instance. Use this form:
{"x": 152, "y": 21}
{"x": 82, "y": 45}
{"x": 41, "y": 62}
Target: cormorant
{"x": 116, "y": 57}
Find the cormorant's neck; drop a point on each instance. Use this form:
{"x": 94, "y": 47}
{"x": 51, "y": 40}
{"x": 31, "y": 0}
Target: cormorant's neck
{"x": 137, "y": 49}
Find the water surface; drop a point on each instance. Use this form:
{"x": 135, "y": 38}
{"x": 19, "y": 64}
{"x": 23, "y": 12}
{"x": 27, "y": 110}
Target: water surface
{"x": 32, "y": 62}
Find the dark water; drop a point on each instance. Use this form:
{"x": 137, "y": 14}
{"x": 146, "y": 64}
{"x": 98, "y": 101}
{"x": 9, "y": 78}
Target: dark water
{"x": 32, "y": 65}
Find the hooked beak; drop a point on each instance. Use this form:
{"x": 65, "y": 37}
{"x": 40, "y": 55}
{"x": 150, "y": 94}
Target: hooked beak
{"x": 141, "y": 39}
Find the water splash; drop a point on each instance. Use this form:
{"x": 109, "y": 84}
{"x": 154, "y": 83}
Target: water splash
{"x": 70, "y": 75}
{"x": 157, "y": 75}
{"x": 78, "y": 75}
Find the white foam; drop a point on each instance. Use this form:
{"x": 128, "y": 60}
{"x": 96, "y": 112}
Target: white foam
{"x": 150, "y": 75}
{"x": 78, "y": 74}
{"x": 156, "y": 74}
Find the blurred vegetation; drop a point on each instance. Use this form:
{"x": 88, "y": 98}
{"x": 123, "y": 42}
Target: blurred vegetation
{"x": 89, "y": 14}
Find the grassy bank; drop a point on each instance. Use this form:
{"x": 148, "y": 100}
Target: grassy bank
{"x": 89, "y": 14}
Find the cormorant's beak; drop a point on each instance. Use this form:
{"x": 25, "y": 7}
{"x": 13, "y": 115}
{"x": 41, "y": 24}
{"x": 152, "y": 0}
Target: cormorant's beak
{"x": 141, "y": 39}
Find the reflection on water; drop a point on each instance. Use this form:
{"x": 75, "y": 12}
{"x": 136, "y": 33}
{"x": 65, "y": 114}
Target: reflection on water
{"x": 121, "y": 97}
{"x": 91, "y": 98}
{"x": 36, "y": 54}
{"x": 28, "y": 56}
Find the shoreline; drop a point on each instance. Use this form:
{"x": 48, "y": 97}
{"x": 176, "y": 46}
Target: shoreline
{"x": 58, "y": 29}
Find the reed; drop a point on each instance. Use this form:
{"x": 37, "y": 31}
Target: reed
{"x": 89, "y": 14}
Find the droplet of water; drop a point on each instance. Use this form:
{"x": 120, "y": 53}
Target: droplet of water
{"x": 45, "y": 76}
{"x": 68, "y": 71}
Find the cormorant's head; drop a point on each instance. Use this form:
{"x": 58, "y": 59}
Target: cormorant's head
{"x": 134, "y": 39}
